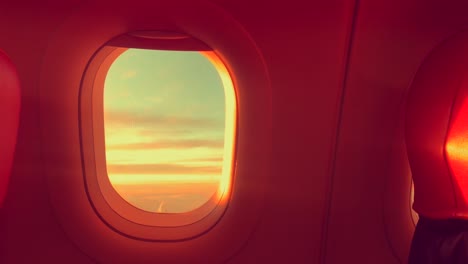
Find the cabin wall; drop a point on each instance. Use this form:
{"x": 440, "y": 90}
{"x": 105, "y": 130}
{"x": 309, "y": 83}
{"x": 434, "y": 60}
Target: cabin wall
{"x": 340, "y": 181}
{"x": 29, "y": 229}
{"x": 304, "y": 46}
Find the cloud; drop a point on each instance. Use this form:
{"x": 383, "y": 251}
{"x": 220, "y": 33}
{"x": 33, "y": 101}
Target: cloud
{"x": 207, "y": 159}
{"x": 128, "y": 74}
{"x": 154, "y": 190}
{"x": 169, "y": 144}
{"x": 161, "y": 169}
{"x": 142, "y": 119}
{"x": 167, "y": 131}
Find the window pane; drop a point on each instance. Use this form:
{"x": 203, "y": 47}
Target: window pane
{"x": 165, "y": 129}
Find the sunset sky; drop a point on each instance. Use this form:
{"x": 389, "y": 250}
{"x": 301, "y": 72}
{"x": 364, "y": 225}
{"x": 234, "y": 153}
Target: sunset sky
{"x": 164, "y": 127}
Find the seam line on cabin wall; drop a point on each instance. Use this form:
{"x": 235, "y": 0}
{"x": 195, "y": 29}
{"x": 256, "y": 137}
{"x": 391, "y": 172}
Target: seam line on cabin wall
{"x": 338, "y": 122}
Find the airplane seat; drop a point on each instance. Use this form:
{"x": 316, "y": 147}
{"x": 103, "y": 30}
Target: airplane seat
{"x": 9, "y": 119}
{"x": 436, "y": 132}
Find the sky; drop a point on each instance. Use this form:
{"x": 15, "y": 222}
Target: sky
{"x": 164, "y": 120}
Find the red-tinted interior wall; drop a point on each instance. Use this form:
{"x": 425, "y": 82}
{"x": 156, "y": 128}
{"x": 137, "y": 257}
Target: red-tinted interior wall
{"x": 28, "y": 228}
{"x": 339, "y": 189}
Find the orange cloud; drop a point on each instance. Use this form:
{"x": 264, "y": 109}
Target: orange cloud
{"x": 121, "y": 118}
{"x": 161, "y": 169}
{"x": 153, "y": 189}
{"x": 207, "y": 159}
{"x": 171, "y": 144}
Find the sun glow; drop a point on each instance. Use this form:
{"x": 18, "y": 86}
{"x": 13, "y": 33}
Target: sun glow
{"x": 170, "y": 123}
{"x": 456, "y": 147}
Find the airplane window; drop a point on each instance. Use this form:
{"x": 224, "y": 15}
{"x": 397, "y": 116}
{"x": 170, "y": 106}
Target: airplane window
{"x": 169, "y": 121}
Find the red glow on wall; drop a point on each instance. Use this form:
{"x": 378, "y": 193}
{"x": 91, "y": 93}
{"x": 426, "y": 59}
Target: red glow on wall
{"x": 456, "y": 146}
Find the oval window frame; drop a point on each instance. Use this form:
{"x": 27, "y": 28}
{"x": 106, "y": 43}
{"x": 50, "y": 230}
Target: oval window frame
{"x": 112, "y": 208}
